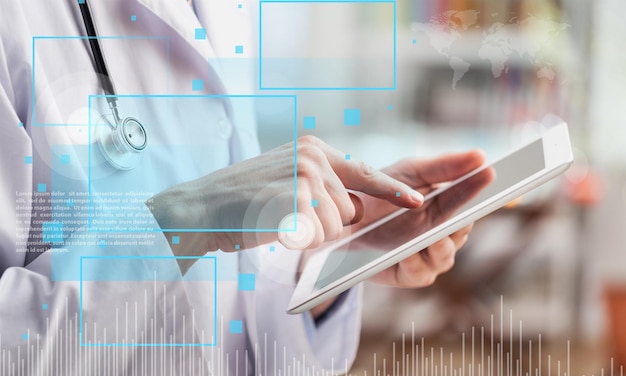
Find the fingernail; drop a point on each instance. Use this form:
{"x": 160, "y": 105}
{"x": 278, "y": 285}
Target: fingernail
{"x": 417, "y": 196}
{"x": 412, "y": 194}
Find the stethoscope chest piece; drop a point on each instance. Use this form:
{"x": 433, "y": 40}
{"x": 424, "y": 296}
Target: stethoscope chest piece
{"x": 121, "y": 140}
{"x": 121, "y": 144}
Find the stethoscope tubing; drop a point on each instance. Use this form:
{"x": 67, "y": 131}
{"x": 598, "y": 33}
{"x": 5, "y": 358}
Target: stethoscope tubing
{"x": 96, "y": 50}
{"x": 117, "y": 146}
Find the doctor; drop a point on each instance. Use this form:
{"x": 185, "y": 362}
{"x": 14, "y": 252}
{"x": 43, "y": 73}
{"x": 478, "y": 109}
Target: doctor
{"x": 63, "y": 313}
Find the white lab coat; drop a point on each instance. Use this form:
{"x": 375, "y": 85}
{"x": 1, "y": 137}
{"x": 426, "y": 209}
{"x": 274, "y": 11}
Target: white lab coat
{"x": 46, "y": 78}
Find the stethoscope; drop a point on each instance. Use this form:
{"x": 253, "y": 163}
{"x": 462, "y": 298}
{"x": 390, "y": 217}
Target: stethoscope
{"x": 123, "y": 140}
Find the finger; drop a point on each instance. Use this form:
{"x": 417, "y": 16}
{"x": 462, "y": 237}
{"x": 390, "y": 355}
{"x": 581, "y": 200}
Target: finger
{"x": 359, "y": 208}
{"x": 316, "y": 175}
{"x": 317, "y": 228}
{"x": 309, "y": 228}
{"x": 328, "y": 214}
{"x": 360, "y": 176}
{"x": 440, "y": 255}
{"x": 446, "y": 167}
{"x": 364, "y": 178}
{"x": 414, "y": 271}
{"x": 460, "y": 237}
{"x": 337, "y": 192}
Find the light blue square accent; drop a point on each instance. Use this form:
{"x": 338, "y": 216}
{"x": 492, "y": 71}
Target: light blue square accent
{"x": 315, "y": 203}
{"x": 239, "y": 6}
{"x": 25, "y": 337}
{"x": 390, "y": 107}
{"x": 272, "y": 248}
{"x": 20, "y": 124}
{"x": 246, "y": 282}
{"x": 348, "y": 157}
{"x": 397, "y": 194}
{"x": 28, "y": 159}
{"x": 236, "y": 326}
{"x": 81, "y": 1}
{"x": 65, "y": 159}
{"x": 52, "y": 232}
{"x": 237, "y": 246}
{"x": 197, "y": 85}
{"x": 352, "y": 116}
{"x": 102, "y": 244}
{"x": 238, "y": 49}
{"x": 414, "y": 41}
{"x": 175, "y": 239}
{"x": 44, "y": 307}
{"x": 69, "y": 202}
{"x": 133, "y": 18}
{"x": 200, "y": 33}
{"x": 309, "y": 122}
{"x": 41, "y": 187}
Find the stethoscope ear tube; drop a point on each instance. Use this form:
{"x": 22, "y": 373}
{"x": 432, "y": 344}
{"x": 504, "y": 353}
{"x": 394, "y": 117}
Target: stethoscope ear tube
{"x": 127, "y": 137}
{"x": 96, "y": 51}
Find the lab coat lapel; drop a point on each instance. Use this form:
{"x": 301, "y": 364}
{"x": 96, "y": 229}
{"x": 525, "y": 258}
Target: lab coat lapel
{"x": 181, "y": 17}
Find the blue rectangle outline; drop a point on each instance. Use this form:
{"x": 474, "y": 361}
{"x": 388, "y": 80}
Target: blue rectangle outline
{"x": 33, "y": 99}
{"x": 295, "y": 160}
{"x": 80, "y": 330}
{"x": 395, "y": 37}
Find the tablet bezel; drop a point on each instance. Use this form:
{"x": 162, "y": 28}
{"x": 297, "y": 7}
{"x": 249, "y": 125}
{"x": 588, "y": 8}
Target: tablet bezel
{"x": 557, "y": 158}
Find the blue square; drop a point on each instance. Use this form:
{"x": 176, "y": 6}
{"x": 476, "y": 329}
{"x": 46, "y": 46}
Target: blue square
{"x": 348, "y": 157}
{"x": 272, "y": 248}
{"x": 397, "y": 194}
{"x": 236, "y": 326}
{"x": 65, "y": 159}
{"x": 414, "y": 41}
{"x": 81, "y": 1}
{"x": 69, "y": 202}
{"x": 309, "y": 122}
{"x": 20, "y": 124}
{"x": 44, "y": 307}
{"x": 351, "y": 116}
{"x": 175, "y": 239}
{"x": 239, "y": 6}
{"x": 246, "y": 282}
{"x": 133, "y": 18}
{"x": 52, "y": 232}
{"x": 41, "y": 187}
{"x": 25, "y": 337}
{"x": 28, "y": 159}
{"x": 238, "y": 49}
{"x": 200, "y": 33}
{"x": 197, "y": 85}
{"x": 390, "y": 107}
{"x": 237, "y": 247}
{"x": 315, "y": 203}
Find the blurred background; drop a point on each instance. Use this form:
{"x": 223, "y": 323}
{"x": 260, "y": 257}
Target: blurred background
{"x": 541, "y": 285}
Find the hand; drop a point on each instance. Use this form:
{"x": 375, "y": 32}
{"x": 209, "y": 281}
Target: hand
{"x": 258, "y": 193}
{"x": 422, "y": 268}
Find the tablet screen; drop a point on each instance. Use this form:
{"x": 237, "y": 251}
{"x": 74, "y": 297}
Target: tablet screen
{"x": 455, "y": 200}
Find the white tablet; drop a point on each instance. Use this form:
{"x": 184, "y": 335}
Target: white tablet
{"x": 349, "y": 261}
